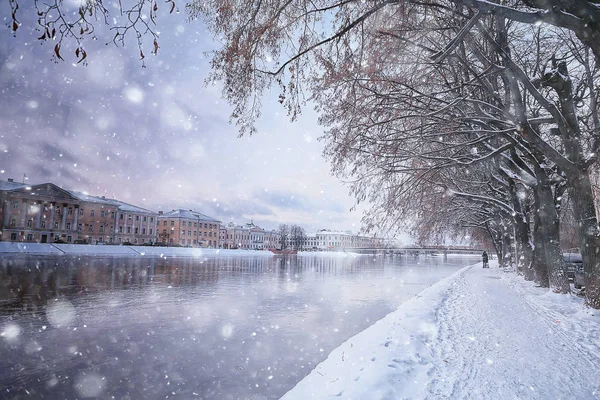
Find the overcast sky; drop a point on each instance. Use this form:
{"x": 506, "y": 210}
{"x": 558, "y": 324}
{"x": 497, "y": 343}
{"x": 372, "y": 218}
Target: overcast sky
{"x": 157, "y": 136}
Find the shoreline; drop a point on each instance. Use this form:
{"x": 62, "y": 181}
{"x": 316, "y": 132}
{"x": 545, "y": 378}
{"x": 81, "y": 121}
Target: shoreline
{"x": 47, "y": 249}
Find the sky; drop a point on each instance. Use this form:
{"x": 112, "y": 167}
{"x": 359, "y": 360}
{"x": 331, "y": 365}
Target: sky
{"x": 157, "y": 136}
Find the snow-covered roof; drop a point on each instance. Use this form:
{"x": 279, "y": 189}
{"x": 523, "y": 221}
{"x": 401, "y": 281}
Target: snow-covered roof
{"x": 121, "y": 205}
{"x": 6, "y": 185}
{"x": 89, "y": 198}
{"x": 326, "y": 232}
{"x": 188, "y": 214}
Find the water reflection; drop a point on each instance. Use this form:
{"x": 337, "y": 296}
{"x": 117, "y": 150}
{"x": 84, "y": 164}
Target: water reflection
{"x": 222, "y": 328}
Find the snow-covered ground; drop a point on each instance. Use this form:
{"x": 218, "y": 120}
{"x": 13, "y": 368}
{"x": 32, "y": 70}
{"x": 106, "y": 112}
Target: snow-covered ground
{"x": 478, "y": 334}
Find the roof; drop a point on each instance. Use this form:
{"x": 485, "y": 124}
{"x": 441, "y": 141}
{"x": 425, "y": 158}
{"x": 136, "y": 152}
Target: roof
{"x": 6, "y": 185}
{"x": 121, "y": 205}
{"x": 188, "y": 214}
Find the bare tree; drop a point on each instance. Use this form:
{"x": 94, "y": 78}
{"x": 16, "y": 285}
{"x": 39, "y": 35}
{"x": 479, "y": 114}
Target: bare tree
{"x": 297, "y": 237}
{"x": 284, "y": 234}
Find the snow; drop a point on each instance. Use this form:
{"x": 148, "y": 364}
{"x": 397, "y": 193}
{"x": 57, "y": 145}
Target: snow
{"x": 84, "y": 249}
{"x": 29, "y": 248}
{"x": 478, "y": 334}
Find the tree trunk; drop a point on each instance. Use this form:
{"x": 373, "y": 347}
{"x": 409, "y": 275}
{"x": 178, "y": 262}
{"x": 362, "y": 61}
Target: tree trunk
{"x": 507, "y": 249}
{"x": 497, "y": 242}
{"x": 539, "y": 248}
{"x": 585, "y": 215}
{"x": 547, "y": 235}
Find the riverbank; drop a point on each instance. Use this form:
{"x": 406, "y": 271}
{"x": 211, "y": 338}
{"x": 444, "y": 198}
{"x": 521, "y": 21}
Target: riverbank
{"x": 108, "y": 250}
{"x": 478, "y": 334}
{"x": 8, "y": 248}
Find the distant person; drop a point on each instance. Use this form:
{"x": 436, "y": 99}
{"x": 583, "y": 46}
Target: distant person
{"x": 484, "y": 256}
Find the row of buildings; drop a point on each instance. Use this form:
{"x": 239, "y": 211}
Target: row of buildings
{"x": 46, "y": 213}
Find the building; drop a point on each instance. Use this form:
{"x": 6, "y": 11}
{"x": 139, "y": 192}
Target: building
{"x": 331, "y": 240}
{"x": 249, "y": 237}
{"x": 188, "y": 228}
{"x": 46, "y": 213}
{"x": 113, "y": 221}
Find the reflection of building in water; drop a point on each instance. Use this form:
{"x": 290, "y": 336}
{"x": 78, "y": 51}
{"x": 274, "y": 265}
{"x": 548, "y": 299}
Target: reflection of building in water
{"x": 46, "y": 213}
{"x": 30, "y": 283}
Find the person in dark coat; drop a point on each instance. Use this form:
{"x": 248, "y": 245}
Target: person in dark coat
{"x": 484, "y": 256}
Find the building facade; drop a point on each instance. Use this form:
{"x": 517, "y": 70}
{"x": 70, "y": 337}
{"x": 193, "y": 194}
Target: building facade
{"x": 46, "y": 213}
{"x": 332, "y": 240}
{"x": 188, "y": 228}
{"x": 248, "y": 237}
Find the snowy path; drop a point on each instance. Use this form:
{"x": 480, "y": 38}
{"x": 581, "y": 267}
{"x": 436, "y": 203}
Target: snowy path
{"x": 479, "y": 334}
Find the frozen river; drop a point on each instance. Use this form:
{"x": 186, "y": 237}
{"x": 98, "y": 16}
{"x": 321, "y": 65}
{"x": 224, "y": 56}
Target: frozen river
{"x": 214, "y": 328}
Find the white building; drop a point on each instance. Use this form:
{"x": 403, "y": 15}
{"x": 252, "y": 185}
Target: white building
{"x": 330, "y": 240}
{"x": 248, "y": 236}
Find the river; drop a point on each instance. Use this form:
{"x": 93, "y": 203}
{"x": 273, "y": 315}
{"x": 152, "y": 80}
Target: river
{"x": 209, "y": 328}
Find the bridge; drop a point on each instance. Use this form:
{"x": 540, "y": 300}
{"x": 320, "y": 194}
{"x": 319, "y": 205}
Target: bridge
{"x": 416, "y": 250}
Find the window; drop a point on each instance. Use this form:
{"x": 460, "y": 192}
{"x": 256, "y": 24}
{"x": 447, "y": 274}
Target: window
{"x": 80, "y": 227}
{"x": 129, "y": 217}
{"x": 145, "y": 219}
{"x": 164, "y": 223}
{"x": 136, "y": 231}
{"x": 205, "y": 225}
{"x": 30, "y": 237}
{"x": 128, "y": 229}
{"x": 101, "y": 228}
{"x": 151, "y": 231}
{"x": 81, "y": 212}
{"x": 69, "y": 238}
{"x": 15, "y": 205}
{"x": 210, "y": 234}
{"x": 70, "y": 211}
{"x": 137, "y": 217}
{"x": 164, "y": 231}
{"x": 143, "y": 231}
{"x": 68, "y": 225}
{"x": 182, "y": 233}
{"x": 112, "y": 214}
{"x": 13, "y": 236}
{"x": 183, "y": 223}
{"x": 120, "y": 229}
{"x": 135, "y": 240}
{"x": 55, "y": 225}
{"x": 194, "y": 233}
{"x": 195, "y": 224}
{"x": 91, "y": 227}
{"x": 194, "y": 241}
{"x": 43, "y": 224}
{"x": 91, "y": 213}
{"x": 30, "y": 223}
{"x": 121, "y": 217}
{"x": 172, "y": 223}
{"x": 102, "y": 214}
{"x": 189, "y": 233}
{"x": 204, "y": 234}
{"x": 151, "y": 219}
